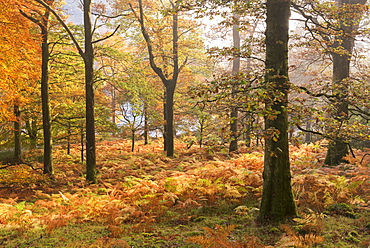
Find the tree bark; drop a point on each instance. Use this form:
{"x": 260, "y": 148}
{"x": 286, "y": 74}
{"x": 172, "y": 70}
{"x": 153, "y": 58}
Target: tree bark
{"x": 46, "y": 119}
{"x": 170, "y": 91}
{"x": 17, "y": 134}
{"x": 89, "y": 83}
{"x": 88, "y": 57}
{"x": 146, "y": 124}
{"x": 45, "y": 104}
{"x": 277, "y": 198}
{"x": 338, "y": 147}
{"x": 132, "y": 140}
{"x": 235, "y": 71}
{"x": 169, "y": 84}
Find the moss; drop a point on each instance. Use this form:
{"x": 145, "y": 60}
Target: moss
{"x": 341, "y": 209}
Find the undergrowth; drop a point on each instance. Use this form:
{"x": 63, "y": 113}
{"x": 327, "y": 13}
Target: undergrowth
{"x": 197, "y": 199}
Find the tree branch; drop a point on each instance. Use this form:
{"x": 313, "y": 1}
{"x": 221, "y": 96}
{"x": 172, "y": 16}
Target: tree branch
{"x": 107, "y": 37}
{"x": 81, "y": 52}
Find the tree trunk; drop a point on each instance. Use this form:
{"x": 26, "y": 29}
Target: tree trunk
{"x": 89, "y": 83}
{"x": 146, "y": 125}
{"x": 32, "y": 133}
{"x": 170, "y": 90}
{"x": 277, "y": 198}
{"x": 17, "y": 134}
{"x": 45, "y": 105}
{"x": 165, "y": 121}
{"x": 132, "y": 140}
{"x": 201, "y": 131}
{"x": 82, "y": 141}
{"x": 338, "y": 147}
{"x": 46, "y": 120}
{"x": 69, "y": 139}
{"x": 235, "y": 71}
{"x": 170, "y": 84}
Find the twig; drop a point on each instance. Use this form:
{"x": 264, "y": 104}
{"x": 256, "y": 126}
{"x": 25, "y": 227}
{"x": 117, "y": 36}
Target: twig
{"x": 21, "y": 162}
{"x": 362, "y": 159}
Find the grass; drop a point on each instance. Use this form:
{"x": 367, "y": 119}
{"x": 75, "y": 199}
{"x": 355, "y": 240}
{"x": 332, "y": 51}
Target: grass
{"x": 144, "y": 199}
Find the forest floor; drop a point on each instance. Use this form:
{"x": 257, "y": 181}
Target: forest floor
{"x": 199, "y": 198}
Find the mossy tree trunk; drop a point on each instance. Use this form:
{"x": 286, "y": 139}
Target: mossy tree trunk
{"x": 277, "y": 198}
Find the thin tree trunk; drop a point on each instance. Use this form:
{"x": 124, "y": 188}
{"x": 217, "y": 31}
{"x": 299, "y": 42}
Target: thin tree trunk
{"x": 235, "y": 71}
{"x": 89, "y": 83}
{"x": 82, "y": 141}
{"x": 69, "y": 139}
{"x": 170, "y": 90}
{"x": 146, "y": 124}
{"x": 46, "y": 120}
{"x": 45, "y": 105}
{"x": 132, "y": 140}
{"x": 165, "y": 121}
{"x": 17, "y": 134}
{"x": 277, "y": 198}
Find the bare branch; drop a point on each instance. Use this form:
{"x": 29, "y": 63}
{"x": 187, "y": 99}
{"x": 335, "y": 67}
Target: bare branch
{"x": 81, "y": 52}
{"x": 107, "y": 37}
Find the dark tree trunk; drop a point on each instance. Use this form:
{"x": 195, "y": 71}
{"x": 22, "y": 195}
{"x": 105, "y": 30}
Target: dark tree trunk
{"x": 132, "y": 140}
{"x": 170, "y": 90}
{"x": 146, "y": 125}
{"x": 82, "y": 141}
{"x": 277, "y": 198}
{"x": 46, "y": 120}
{"x": 165, "y": 121}
{"x": 45, "y": 105}
{"x": 88, "y": 57}
{"x": 338, "y": 146}
{"x": 17, "y": 134}
{"x": 201, "y": 131}
{"x": 169, "y": 84}
{"x": 89, "y": 83}
{"x": 69, "y": 139}
{"x": 114, "y": 103}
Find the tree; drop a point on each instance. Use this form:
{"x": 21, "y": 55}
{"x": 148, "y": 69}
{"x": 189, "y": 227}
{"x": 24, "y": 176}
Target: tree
{"x": 334, "y": 27}
{"x": 169, "y": 82}
{"x": 88, "y": 57}
{"x": 19, "y": 63}
{"x": 341, "y": 52}
{"x": 235, "y": 71}
{"x": 277, "y": 198}
{"x": 43, "y": 22}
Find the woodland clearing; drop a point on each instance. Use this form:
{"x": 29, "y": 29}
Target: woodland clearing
{"x": 200, "y": 198}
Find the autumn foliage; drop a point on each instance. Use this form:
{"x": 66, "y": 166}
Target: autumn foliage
{"x": 19, "y": 59}
{"x": 138, "y": 192}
